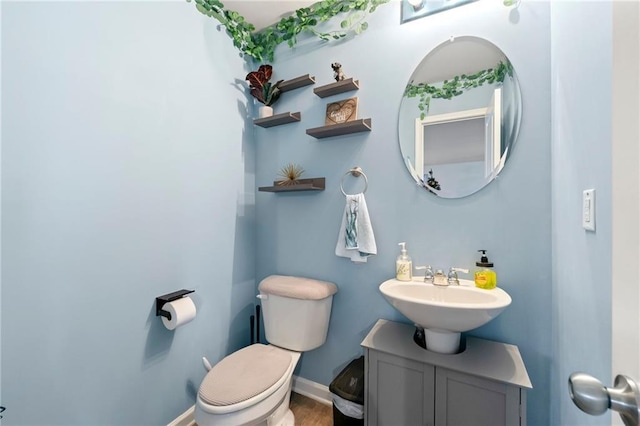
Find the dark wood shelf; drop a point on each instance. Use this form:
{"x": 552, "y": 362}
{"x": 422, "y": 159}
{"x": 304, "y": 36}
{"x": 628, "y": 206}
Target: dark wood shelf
{"x": 296, "y": 83}
{"x": 360, "y": 125}
{"x": 313, "y": 184}
{"x": 345, "y": 85}
{"x": 278, "y": 119}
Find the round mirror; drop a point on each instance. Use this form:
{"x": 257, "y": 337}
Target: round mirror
{"x": 459, "y": 117}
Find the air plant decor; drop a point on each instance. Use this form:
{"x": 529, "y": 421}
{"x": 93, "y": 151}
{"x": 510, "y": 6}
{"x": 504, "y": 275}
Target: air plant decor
{"x": 262, "y": 89}
{"x": 291, "y": 173}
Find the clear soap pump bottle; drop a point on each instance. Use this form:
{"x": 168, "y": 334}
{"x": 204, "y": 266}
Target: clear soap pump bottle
{"x": 404, "y": 265}
{"x": 485, "y": 277}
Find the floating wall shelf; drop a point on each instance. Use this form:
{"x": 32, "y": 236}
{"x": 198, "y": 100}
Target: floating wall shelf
{"x": 360, "y": 125}
{"x": 278, "y": 119}
{"x": 296, "y": 83}
{"x": 342, "y": 86}
{"x": 313, "y": 184}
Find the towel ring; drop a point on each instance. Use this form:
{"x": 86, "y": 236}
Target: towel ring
{"x": 357, "y": 172}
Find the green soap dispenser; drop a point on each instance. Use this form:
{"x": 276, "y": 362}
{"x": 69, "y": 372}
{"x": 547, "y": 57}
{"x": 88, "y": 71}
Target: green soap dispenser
{"x": 404, "y": 265}
{"x": 485, "y": 277}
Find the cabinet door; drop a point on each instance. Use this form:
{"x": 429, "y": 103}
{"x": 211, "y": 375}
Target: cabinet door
{"x": 398, "y": 391}
{"x": 463, "y": 400}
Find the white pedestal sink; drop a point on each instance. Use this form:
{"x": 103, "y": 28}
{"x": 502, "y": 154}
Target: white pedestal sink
{"x": 445, "y": 312}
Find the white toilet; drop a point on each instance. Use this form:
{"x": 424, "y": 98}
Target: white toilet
{"x": 253, "y": 385}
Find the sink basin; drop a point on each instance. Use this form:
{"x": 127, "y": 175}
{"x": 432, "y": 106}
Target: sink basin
{"x": 445, "y": 312}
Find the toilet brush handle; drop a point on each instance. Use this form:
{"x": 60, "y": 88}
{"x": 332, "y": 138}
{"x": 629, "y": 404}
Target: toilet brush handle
{"x": 252, "y": 326}
{"x": 257, "y": 323}
{"x": 207, "y": 364}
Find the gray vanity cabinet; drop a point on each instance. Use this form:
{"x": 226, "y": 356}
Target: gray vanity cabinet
{"x": 399, "y": 391}
{"x": 406, "y": 385}
{"x": 462, "y": 399}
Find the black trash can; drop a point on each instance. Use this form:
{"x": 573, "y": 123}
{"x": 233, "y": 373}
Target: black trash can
{"x": 347, "y": 392}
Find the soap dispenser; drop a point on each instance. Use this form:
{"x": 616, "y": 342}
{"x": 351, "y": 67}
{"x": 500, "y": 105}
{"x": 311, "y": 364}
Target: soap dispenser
{"x": 404, "y": 266}
{"x": 484, "y": 276}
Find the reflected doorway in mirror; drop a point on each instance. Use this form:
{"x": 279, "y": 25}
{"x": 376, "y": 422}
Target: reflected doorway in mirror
{"x": 463, "y": 147}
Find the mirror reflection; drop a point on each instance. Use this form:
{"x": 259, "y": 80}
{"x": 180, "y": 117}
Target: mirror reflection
{"x": 459, "y": 117}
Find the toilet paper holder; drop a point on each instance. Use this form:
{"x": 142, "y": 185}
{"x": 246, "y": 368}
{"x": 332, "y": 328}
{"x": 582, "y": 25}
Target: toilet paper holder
{"x": 166, "y": 298}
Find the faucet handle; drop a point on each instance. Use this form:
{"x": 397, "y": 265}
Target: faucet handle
{"x": 452, "y": 276}
{"x": 428, "y": 273}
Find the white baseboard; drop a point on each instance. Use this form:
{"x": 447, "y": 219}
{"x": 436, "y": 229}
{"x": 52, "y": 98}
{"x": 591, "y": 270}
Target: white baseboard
{"x": 312, "y": 390}
{"x": 300, "y": 385}
{"x": 185, "y": 419}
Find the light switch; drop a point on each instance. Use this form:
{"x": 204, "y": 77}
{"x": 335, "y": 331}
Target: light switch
{"x": 589, "y": 209}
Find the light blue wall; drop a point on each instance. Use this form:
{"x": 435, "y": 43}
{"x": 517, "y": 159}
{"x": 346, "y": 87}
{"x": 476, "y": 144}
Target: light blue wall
{"x": 127, "y": 173}
{"x": 581, "y": 64}
{"x": 468, "y": 175}
{"x": 297, "y": 232}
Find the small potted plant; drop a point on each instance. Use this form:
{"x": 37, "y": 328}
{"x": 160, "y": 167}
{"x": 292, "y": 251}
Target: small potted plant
{"x": 265, "y": 92}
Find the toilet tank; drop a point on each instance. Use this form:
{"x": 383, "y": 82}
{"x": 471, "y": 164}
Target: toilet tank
{"x": 296, "y": 311}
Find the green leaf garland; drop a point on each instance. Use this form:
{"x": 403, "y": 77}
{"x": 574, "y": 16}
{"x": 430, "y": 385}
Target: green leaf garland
{"x": 456, "y": 86}
{"x": 261, "y": 46}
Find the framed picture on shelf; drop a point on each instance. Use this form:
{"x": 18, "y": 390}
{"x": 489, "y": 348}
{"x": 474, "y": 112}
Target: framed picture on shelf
{"x": 341, "y": 111}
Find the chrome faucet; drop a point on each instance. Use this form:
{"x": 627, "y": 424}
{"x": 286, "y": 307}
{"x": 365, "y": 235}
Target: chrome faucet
{"x": 452, "y": 276}
{"x": 439, "y": 278}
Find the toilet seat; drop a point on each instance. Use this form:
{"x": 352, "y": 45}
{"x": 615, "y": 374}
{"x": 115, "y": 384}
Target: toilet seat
{"x": 245, "y": 378}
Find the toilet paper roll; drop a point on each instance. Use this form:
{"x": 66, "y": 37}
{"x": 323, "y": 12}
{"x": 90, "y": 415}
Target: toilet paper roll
{"x": 182, "y": 311}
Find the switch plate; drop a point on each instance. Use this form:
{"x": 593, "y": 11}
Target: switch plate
{"x": 589, "y": 209}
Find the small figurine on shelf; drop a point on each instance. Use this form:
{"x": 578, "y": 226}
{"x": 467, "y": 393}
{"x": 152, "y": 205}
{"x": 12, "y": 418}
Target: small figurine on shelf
{"x": 337, "y": 71}
{"x": 432, "y": 182}
{"x": 291, "y": 173}
{"x": 265, "y": 92}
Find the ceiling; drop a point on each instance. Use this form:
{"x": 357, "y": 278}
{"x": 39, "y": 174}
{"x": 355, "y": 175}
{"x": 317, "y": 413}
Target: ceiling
{"x": 262, "y": 13}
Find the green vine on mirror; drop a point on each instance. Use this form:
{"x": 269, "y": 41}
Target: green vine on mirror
{"x": 262, "y": 45}
{"x": 456, "y": 86}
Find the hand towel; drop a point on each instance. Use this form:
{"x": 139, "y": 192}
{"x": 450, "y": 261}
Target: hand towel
{"x": 355, "y": 238}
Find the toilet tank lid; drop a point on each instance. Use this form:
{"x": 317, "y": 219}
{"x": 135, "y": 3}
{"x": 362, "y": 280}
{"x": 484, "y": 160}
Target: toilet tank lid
{"x": 297, "y": 287}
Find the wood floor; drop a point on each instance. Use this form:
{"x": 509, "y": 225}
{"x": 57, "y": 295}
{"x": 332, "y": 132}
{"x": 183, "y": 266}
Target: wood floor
{"x": 309, "y": 412}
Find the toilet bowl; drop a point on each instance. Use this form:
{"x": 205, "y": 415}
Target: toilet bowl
{"x": 252, "y": 386}
{"x": 249, "y": 387}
